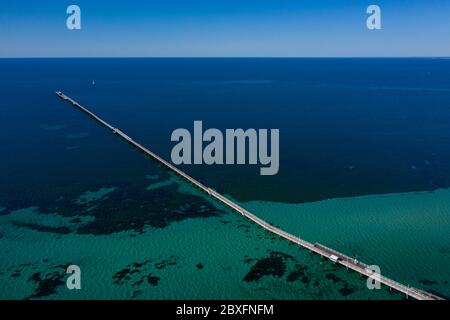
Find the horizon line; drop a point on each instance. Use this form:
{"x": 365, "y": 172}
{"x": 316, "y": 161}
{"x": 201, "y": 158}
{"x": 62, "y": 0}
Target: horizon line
{"x": 228, "y": 57}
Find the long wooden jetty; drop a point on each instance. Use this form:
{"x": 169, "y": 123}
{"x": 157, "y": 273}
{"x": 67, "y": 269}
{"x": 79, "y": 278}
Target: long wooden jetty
{"x": 318, "y": 248}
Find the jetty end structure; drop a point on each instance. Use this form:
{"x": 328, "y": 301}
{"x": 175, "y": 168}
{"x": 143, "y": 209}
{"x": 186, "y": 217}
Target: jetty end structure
{"x": 333, "y": 255}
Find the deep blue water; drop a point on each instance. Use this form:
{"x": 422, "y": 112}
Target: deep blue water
{"x": 347, "y": 126}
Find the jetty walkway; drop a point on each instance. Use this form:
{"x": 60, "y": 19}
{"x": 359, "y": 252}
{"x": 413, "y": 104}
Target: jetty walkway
{"x": 317, "y": 248}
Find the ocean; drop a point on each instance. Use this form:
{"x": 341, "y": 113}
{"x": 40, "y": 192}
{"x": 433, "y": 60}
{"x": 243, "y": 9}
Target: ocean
{"x": 364, "y": 168}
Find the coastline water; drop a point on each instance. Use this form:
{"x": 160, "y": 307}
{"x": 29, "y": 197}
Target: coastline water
{"x": 364, "y": 169}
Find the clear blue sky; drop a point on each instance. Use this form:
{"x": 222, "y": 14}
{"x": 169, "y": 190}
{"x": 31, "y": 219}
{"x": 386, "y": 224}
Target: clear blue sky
{"x": 168, "y": 28}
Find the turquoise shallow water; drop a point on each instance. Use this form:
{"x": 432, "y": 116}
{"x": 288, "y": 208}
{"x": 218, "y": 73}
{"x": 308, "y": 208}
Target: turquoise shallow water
{"x": 181, "y": 244}
{"x": 224, "y": 257}
{"x": 407, "y": 234}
